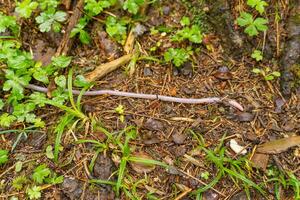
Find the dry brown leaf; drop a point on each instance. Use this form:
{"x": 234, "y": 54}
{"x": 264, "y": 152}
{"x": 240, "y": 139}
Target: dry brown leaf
{"x": 128, "y": 47}
{"x": 278, "y": 146}
{"x": 141, "y": 167}
{"x": 260, "y": 161}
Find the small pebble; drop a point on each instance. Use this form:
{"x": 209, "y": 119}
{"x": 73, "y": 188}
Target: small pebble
{"x": 245, "y": 117}
{"x": 139, "y": 29}
{"x": 188, "y": 90}
{"x": 175, "y": 71}
{"x": 238, "y": 149}
{"x": 223, "y": 73}
{"x": 279, "y": 103}
{"x": 187, "y": 69}
{"x": 153, "y": 125}
{"x": 166, "y": 10}
{"x": 148, "y": 72}
{"x": 178, "y": 138}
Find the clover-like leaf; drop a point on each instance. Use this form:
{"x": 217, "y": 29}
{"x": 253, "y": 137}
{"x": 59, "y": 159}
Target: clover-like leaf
{"x": 133, "y": 5}
{"x": 26, "y": 7}
{"x": 259, "y": 5}
{"x": 40, "y": 173}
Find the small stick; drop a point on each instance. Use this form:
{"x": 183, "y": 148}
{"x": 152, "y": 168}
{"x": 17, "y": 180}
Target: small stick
{"x": 66, "y": 42}
{"x": 208, "y": 100}
{"x": 106, "y": 68}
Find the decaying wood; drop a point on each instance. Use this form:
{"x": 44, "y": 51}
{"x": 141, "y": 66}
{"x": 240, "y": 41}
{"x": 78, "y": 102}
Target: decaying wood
{"x": 290, "y": 60}
{"x": 278, "y": 146}
{"x": 128, "y": 47}
{"x": 106, "y": 68}
{"x": 67, "y": 42}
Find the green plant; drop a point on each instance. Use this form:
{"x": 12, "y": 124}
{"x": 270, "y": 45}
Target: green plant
{"x": 193, "y": 34}
{"x": 40, "y": 173}
{"x": 133, "y": 6}
{"x": 116, "y": 28}
{"x": 1, "y": 104}
{"x": 84, "y": 37}
{"x": 94, "y": 7}
{"x": 120, "y": 111}
{"x": 266, "y": 73}
{"x": 18, "y": 166}
{"x": 26, "y": 7}
{"x": 228, "y": 167}
{"x": 8, "y": 22}
{"x": 3, "y": 156}
{"x": 48, "y": 4}
{"x": 294, "y": 183}
{"x": 205, "y": 175}
{"x": 19, "y": 69}
{"x": 124, "y": 148}
{"x": 257, "y": 55}
{"x": 6, "y": 120}
{"x": 259, "y": 5}
{"x": 50, "y": 19}
{"x": 253, "y": 26}
{"x": 185, "y": 21}
{"x": 19, "y": 182}
{"x": 49, "y": 152}
{"x": 34, "y": 192}
{"x": 177, "y": 56}
{"x": 284, "y": 179}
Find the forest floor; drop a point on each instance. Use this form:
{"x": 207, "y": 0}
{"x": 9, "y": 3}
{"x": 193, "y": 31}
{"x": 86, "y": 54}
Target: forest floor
{"x": 130, "y": 148}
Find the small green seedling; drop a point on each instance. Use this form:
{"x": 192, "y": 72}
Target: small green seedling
{"x": 49, "y": 4}
{"x": 18, "y": 166}
{"x": 177, "y": 56}
{"x": 185, "y": 21}
{"x": 94, "y": 7}
{"x": 8, "y": 23}
{"x": 49, "y": 152}
{"x": 120, "y": 110}
{"x": 40, "y": 173}
{"x": 34, "y": 192}
{"x": 267, "y": 73}
{"x": 3, "y": 156}
{"x": 84, "y": 37}
{"x": 25, "y": 8}
{"x": 257, "y": 55}
{"x": 259, "y": 5}
{"x": 19, "y": 182}
{"x": 50, "y": 19}
{"x": 6, "y": 119}
{"x": 133, "y": 6}
{"x": 116, "y": 29}
{"x": 192, "y": 34}
{"x": 1, "y": 104}
{"x": 253, "y": 26}
{"x": 205, "y": 175}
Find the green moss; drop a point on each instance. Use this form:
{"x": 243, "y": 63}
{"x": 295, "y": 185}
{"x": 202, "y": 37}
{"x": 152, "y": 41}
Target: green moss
{"x": 295, "y": 69}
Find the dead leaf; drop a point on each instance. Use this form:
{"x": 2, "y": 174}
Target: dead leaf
{"x": 141, "y": 167}
{"x": 260, "y": 161}
{"x": 128, "y": 47}
{"x": 278, "y": 146}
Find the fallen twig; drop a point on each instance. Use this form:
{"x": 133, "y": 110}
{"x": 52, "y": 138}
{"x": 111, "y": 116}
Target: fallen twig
{"x": 106, "y": 68}
{"x": 66, "y": 42}
{"x": 208, "y": 100}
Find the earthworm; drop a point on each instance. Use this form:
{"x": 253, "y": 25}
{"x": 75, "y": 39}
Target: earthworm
{"x": 207, "y": 100}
